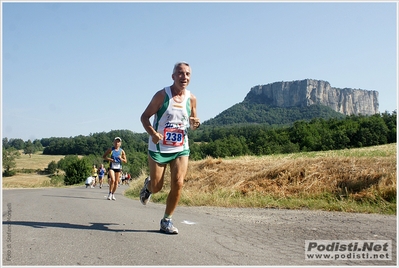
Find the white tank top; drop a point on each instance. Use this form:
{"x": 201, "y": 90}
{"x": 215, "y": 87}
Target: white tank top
{"x": 172, "y": 121}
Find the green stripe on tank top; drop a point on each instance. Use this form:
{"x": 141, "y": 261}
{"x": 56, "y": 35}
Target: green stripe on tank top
{"x": 160, "y": 113}
{"x": 188, "y": 108}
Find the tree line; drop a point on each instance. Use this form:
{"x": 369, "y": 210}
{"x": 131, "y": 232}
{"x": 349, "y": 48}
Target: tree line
{"x": 317, "y": 134}
{"x": 28, "y": 146}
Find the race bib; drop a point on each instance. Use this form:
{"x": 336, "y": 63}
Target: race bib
{"x": 115, "y": 165}
{"x": 173, "y": 137}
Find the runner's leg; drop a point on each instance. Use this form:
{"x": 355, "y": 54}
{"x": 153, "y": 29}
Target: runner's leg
{"x": 111, "y": 179}
{"x": 157, "y": 173}
{"x": 116, "y": 181}
{"x": 178, "y": 170}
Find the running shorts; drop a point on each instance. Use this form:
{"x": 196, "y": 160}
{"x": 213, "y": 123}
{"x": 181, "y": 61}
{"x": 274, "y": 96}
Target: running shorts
{"x": 165, "y": 158}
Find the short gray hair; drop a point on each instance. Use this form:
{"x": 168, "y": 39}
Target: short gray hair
{"x": 178, "y": 64}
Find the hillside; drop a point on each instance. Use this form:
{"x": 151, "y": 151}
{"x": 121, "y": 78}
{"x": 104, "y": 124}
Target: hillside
{"x": 283, "y": 103}
{"x": 256, "y": 113}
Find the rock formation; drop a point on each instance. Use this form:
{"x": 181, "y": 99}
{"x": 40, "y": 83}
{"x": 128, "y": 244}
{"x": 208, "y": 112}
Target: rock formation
{"x": 307, "y": 92}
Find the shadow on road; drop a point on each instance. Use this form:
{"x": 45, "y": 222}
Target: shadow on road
{"x": 79, "y": 197}
{"x": 93, "y": 226}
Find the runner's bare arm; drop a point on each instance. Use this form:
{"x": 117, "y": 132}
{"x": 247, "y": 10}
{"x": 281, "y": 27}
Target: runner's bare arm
{"x": 154, "y": 105}
{"x": 106, "y": 154}
{"x": 194, "y": 121}
{"x": 123, "y": 156}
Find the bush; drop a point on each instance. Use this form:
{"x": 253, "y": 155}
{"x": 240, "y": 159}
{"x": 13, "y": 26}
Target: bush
{"x": 66, "y": 161}
{"x": 52, "y": 167}
{"x": 57, "y": 180}
{"x": 9, "y": 173}
{"x": 77, "y": 171}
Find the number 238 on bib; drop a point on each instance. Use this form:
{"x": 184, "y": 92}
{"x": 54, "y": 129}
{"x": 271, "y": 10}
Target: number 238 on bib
{"x": 173, "y": 137}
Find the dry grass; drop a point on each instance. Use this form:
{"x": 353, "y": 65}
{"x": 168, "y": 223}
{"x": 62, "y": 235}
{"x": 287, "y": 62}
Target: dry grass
{"x": 22, "y": 180}
{"x": 37, "y": 161}
{"x": 282, "y": 177}
{"x": 346, "y": 180}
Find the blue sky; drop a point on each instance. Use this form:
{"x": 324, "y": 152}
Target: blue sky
{"x": 72, "y": 69}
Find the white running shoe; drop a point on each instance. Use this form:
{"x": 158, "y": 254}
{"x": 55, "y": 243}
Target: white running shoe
{"x": 167, "y": 227}
{"x": 113, "y": 197}
{"x": 109, "y": 196}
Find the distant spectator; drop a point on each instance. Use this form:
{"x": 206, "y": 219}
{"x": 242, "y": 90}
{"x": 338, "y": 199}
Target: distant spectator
{"x": 89, "y": 182}
{"x": 125, "y": 179}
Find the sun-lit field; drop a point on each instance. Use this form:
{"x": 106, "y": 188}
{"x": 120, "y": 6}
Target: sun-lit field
{"x": 356, "y": 180}
{"x": 36, "y": 161}
{"x": 24, "y": 179}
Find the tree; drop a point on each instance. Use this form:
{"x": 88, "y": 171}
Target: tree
{"x": 136, "y": 163}
{"x": 37, "y": 145}
{"x": 18, "y": 144}
{"x": 195, "y": 151}
{"x": 29, "y": 148}
{"x": 66, "y": 161}
{"x": 77, "y": 171}
{"x": 390, "y": 122}
{"x": 9, "y": 157}
{"x": 372, "y": 131}
{"x": 6, "y": 145}
{"x": 52, "y": 167}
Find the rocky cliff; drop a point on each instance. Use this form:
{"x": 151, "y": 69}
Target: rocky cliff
{"x": 307, "y": 92}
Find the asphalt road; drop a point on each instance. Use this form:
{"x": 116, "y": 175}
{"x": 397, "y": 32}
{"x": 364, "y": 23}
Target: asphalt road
{"x": 78, "y": 226}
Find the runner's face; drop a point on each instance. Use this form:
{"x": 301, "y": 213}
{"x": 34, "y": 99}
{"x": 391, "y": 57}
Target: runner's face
{"x": 182, "y": 75}
{"x": 117, "y": 143}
